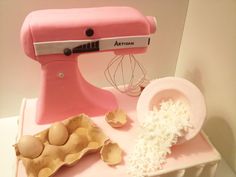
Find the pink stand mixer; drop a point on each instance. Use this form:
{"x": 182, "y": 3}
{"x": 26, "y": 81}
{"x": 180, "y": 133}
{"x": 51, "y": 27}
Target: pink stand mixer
{"x": 56, "y": 37}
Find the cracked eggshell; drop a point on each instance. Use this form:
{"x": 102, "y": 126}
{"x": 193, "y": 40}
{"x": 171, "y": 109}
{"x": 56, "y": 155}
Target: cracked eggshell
{"x": 58, "y": 134}
{"x": 111, "y": 153}
{"x": 116, "y": 118}
{"x": 30, "y": 146}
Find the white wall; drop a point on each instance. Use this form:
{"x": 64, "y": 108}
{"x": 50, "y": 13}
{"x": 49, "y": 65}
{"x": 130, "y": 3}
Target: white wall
{"x": 19, "y": 76}
{"x": 208, "y": 58}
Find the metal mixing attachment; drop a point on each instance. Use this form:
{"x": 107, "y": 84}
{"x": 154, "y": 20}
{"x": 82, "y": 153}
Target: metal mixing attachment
{"x": 132, "y": 80}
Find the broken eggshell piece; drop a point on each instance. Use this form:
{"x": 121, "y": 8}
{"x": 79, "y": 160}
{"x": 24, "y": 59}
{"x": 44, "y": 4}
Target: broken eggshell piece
{"x": 111, "y": 153}
{"x": 84, "y": 137}
{"x": 116, "y": 118}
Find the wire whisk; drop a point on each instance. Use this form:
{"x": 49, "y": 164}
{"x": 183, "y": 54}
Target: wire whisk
{"x": 126, "y": 74}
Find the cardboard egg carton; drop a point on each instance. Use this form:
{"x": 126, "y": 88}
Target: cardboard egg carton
{"x": 84, "y": 138}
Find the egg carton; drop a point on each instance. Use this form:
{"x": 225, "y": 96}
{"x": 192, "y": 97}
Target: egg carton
{"x": 84, "y": 137}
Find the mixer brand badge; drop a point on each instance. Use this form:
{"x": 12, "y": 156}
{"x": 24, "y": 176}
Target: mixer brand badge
{"x": 123, "y": 43}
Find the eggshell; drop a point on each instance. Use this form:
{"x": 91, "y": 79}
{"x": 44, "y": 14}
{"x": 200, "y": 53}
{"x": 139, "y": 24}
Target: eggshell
{"x": 58, "y": 134}
{"x": 116, "y": 118}
{"x": 30, "y": 146}
{"x": 111, "y": 153}
{"x": 75, "y": 143}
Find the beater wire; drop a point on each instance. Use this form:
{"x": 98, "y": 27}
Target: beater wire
{"x": 107, "y": 73}
{"x": 130, "y": 84}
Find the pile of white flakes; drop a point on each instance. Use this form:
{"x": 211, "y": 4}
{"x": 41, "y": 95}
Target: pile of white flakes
{"x": 159, "y": 130}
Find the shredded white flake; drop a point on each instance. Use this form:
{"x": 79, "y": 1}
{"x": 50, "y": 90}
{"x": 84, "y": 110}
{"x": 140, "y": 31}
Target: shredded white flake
{"x": 159, "y": 130}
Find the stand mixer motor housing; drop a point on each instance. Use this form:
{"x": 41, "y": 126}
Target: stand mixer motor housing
{"x": 56, "y": 37}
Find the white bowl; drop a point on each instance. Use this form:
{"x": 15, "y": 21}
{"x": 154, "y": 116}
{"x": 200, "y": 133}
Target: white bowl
{"x": 176, "y": 89}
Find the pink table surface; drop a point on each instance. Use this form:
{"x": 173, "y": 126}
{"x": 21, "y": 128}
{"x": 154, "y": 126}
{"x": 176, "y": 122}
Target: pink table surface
{"x": 192, "y": 153}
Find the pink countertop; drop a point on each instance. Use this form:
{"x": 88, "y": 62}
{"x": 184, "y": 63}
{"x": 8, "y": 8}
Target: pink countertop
{"x": 192, "y": 153}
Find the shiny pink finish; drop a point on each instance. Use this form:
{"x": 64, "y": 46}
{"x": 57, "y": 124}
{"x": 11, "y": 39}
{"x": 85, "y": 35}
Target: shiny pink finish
{"x": 70, "y": 24}
{"x": 64, "y": 92}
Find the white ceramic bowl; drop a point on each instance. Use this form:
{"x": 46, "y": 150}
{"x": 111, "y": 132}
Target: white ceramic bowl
{"x": 176, "y": 89}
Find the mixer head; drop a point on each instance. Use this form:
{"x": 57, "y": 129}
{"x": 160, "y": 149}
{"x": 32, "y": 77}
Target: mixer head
{"x": 69, "y": 32}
